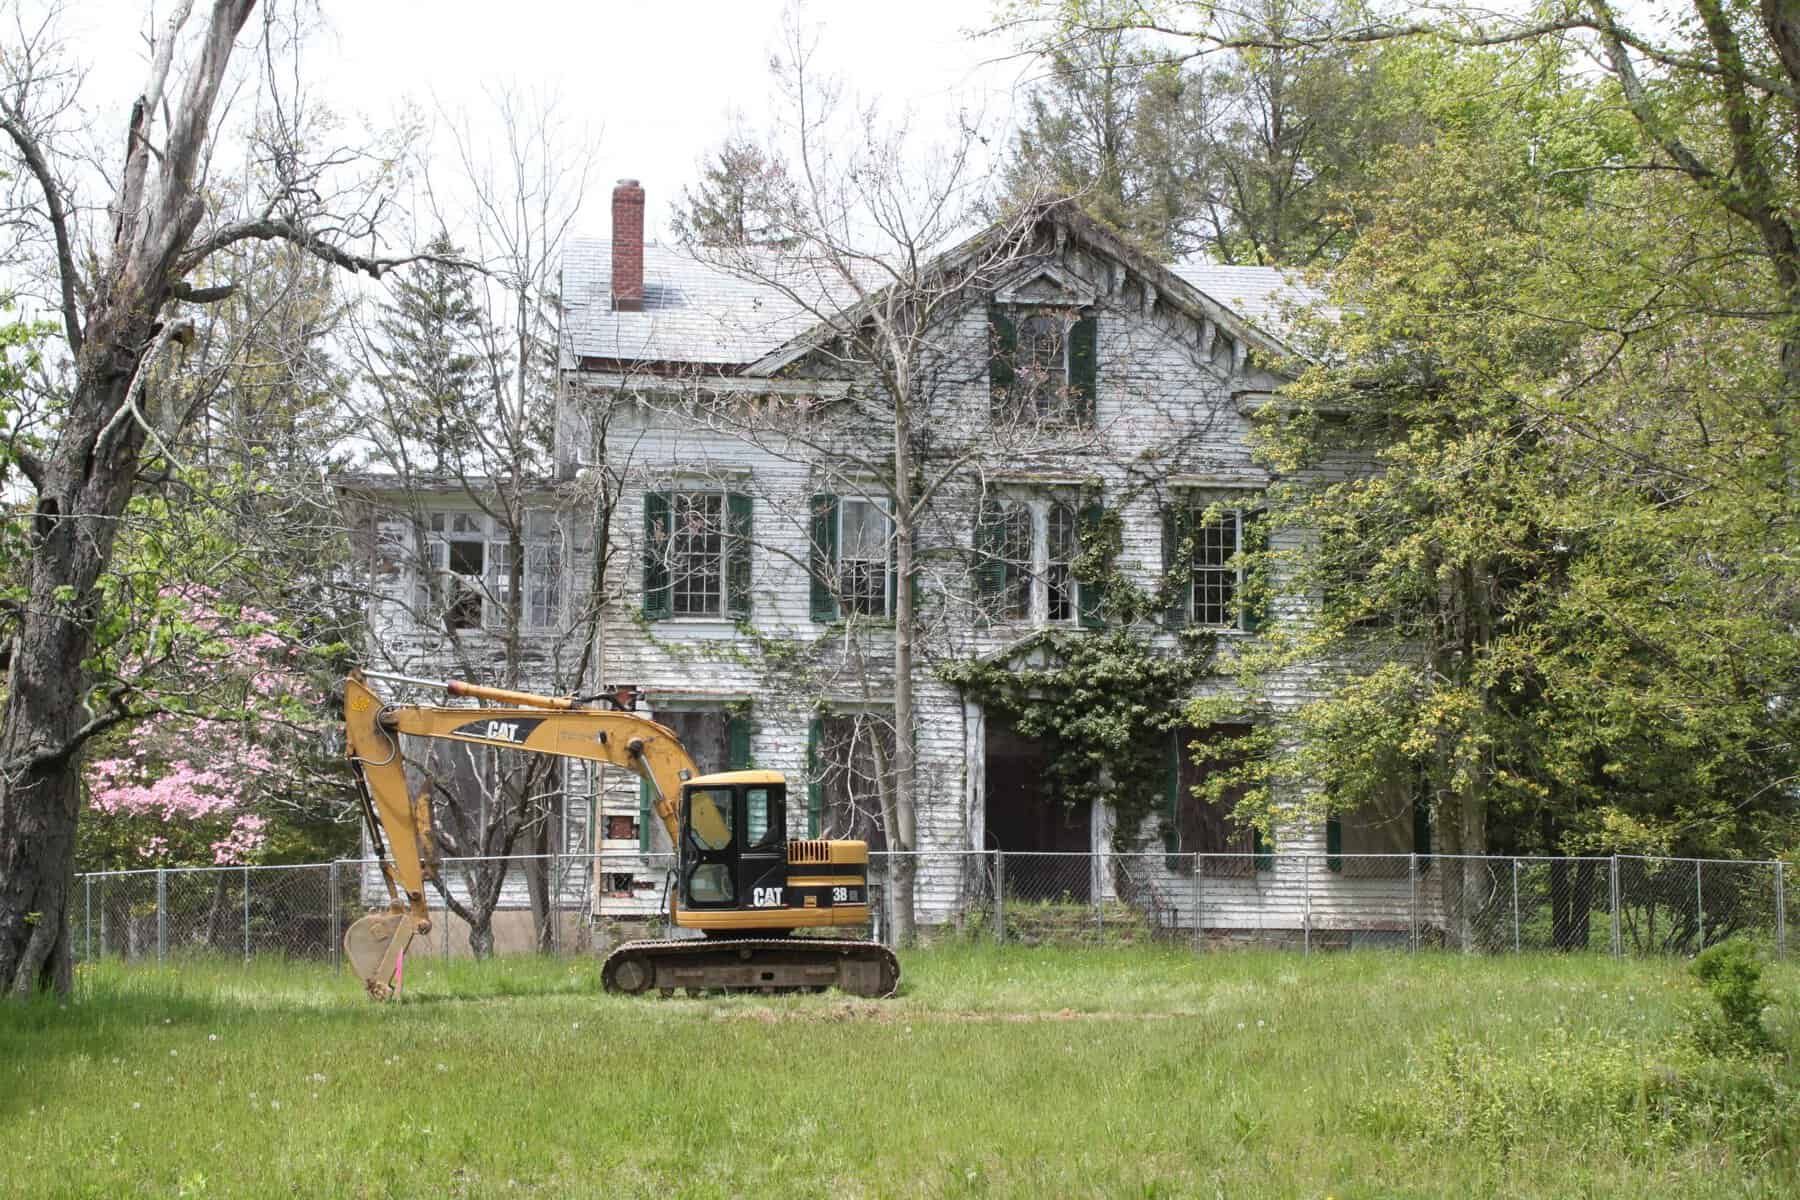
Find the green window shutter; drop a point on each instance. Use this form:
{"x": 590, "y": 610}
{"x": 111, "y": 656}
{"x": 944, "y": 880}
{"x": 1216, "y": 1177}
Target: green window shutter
{"x": 1259, "y": 846}
{"x": 1088, "y": 596}
{"x": 1084, "y": 339}
{"x": 738, "y": 531}
{"x": 824, "y": 556}
{"x": 1422, "y": 830}
{"x": 1334, "y": 843}
{"x": 1177, "y": 568}
{"x": 737, "y": 741}
{"x": 1003, "y": 339}
{"x": 1172, "y": 802}
{"x": 659, "y": 593}
{"x": 990, "y": 568}
{"x": 645, "y": 815}
{"x": 1257, "y": 579}
{"x": 815, "y": 790}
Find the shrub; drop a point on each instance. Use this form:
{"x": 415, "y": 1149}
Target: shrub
{"x": 1733, "y": 976}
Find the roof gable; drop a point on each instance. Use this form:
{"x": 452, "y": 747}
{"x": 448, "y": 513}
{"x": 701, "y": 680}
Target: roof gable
{"x": 771, "y": 312}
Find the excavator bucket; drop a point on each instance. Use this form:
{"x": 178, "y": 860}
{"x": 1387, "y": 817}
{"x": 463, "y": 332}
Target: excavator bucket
{"x": 374, "y": 946}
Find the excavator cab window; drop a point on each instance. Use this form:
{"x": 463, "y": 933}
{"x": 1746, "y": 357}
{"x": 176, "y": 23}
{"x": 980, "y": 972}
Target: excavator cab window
{"x": 765, "y": 817}
{"x": 710, "y": 851}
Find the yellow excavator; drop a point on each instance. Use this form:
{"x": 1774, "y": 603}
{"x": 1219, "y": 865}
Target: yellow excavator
{"x": 739, "y": 881}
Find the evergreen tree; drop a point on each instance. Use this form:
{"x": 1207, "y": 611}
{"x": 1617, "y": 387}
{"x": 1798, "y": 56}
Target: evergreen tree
{"x": 743, "y": 198}
{"x": 430, "y": 369}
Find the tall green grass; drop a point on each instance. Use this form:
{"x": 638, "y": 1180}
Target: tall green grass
{"x": 1136, "y": 1072}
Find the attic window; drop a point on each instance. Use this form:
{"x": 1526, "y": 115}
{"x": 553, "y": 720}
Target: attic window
{"x": 1041, "y": 365}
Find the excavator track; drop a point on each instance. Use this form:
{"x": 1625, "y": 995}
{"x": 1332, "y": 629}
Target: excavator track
{"x": 752, "y": 965}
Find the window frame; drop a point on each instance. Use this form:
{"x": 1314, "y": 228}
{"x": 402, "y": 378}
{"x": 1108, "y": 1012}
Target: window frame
{"x": 846, "y": 602}
{"x": 488, "y": 589}
{"x": 1039, "y": 567}
{"x": 730, "y": 572}
{"x": 1243, "y": 507}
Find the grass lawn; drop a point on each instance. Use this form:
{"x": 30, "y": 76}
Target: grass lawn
{"x": 1019, "y": 1072}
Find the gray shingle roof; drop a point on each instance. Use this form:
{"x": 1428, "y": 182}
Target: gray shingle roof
{"x": 694, "y": 311}
{"x": 1267, "y": 297}
{"x": 700, "y": 312}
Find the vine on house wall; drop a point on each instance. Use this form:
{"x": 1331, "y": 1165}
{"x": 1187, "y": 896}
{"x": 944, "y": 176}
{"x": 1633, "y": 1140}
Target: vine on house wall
{"x": 1101, "y": 706}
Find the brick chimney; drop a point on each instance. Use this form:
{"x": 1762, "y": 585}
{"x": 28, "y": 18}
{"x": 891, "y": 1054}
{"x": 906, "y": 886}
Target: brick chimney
{"x": 628, "y": 247}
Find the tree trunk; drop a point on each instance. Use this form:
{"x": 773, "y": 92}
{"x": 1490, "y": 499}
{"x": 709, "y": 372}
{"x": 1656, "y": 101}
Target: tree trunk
{"x": 901, "y": 825}
{"x": 86, "y": 486}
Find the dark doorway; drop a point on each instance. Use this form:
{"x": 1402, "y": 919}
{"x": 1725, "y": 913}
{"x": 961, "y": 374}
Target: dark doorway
{"x": 1022, "y": 818}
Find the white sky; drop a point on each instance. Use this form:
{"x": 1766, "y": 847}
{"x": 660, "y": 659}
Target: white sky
{"x": 654, "y": 83}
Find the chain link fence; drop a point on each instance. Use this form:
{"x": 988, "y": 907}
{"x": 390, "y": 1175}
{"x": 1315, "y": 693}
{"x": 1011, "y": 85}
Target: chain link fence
{"x": 582, "y": 904}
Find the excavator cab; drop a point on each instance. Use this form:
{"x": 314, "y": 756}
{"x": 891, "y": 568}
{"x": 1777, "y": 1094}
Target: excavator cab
{"x": 733, "y": 851}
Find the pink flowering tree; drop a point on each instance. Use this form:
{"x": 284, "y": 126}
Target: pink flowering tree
{"x": 227, "y": 762}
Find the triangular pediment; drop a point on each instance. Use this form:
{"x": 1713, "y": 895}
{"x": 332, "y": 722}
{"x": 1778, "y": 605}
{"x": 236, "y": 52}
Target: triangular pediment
{"x": 1046, "y": 282}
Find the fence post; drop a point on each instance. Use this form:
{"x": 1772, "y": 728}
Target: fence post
{"x": 337, "y": 918}
{"x": 1699, "y": 910}
{"x": 1000, "y": 895}
{"x": 1515, "y": 906}
{"x": 1199, "y": 925}
{"x": 102, "y": 916}
{"x": 246, "y": 912}
{"x": 1780, "y": 913}
{"x": 1412, "y": 884}
{"x": 162, "y": 915}
{"x": 1612, "y": 888}
{"x": 1305, "y": 905}
{"x": 87, "y": 922}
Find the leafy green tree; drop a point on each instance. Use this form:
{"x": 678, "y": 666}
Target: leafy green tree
{"x": 1253, "y": 154}
{"x": 1557, "y": 598}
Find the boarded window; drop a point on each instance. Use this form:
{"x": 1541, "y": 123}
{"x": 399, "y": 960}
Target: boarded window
{"x": 854, "y": 756}
{"x": 1207, "y": 826}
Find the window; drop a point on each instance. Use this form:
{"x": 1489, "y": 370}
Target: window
{"x": 849, "y": 756}
{"x": 1195, "y": 824}
{"x": 863, "y": 535}
{"x": 851, "y": 558}
{"x": 468, "y": 580}
{"x": 1393, "y": 825}
{"x": 696, "y": 554}
{"x": 1007, "y": 575}
{"x": 1041, "y": 364}
{"x": 1215, "y": 573}
{"x": 1025, "y": 552}
{"x": 1205, "y": 552}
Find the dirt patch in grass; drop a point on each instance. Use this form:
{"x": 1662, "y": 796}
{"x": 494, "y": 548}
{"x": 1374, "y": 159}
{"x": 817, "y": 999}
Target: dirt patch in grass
{"x": 879, "y": 1013}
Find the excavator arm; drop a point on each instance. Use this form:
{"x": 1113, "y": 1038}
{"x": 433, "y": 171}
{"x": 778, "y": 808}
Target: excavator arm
{"x": 399, "y": 822}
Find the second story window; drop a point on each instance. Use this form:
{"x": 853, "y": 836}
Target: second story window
{"x": 863, "y": 536}
{"x": 469, "y": 580}
{"x": 1025, "y": 555}
{"x": 1207, "y": 549}
{"x": 851, "y": 558}
{"x": 696, "y": 554}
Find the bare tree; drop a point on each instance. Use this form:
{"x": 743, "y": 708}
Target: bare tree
{"x": 121, "y": 272}
{"x": 498, "y": 566}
